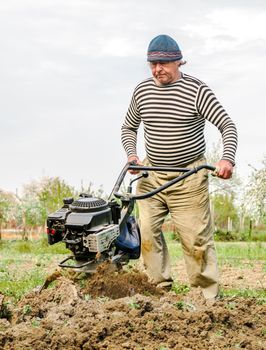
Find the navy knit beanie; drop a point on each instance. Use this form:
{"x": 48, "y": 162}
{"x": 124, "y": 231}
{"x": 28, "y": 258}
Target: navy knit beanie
{"x": 163, "y": 48}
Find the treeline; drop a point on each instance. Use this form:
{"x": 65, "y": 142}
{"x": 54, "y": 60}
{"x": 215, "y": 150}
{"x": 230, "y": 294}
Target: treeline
{"x": 28, "y": 211}
{"x": 237, "y": 207}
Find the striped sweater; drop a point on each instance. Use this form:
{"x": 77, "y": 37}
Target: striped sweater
{"x": 174, "y": 117}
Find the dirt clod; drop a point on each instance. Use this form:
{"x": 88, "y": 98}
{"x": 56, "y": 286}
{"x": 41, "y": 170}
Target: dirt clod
{"x": 107, "y": 282}
{"x": 123, "y": 310}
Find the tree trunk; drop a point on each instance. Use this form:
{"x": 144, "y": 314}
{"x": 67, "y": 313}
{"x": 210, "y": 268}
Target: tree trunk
{"x": 250, "y": 229}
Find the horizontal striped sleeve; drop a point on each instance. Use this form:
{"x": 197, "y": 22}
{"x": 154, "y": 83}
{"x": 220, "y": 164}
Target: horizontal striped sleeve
{"x": 130, "y": 128}
{"x": 210, "y": 108}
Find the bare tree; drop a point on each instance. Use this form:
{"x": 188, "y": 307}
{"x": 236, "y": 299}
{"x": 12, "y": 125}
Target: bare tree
{"x": 255, "y": 194}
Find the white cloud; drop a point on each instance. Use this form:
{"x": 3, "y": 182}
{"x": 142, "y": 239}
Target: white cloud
{"x": 228, "y": 28}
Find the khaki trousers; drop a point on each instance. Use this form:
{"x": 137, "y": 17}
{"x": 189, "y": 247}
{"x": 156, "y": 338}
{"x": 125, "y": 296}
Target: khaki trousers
{"x": 188, "y": 203}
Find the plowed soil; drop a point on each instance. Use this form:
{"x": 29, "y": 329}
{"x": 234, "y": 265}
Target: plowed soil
{"x": 122, "y": 310}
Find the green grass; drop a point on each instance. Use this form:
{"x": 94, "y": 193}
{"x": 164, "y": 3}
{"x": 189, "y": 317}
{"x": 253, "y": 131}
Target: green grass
{"x": 179, "y": 288}
{"x": 226, "y": 251}
{"x": 233, "y": 254}
{"x": 239, "y": 250}
{"x": 35, "y": 247}
{"x": 259, "y": 294}
{"x": 24, "y": 265}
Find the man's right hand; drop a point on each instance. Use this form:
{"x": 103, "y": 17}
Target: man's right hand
{"x": 134, "y": 159}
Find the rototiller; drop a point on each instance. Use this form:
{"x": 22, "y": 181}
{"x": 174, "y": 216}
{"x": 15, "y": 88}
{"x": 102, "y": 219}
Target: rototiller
{"x": 96, "y": 230}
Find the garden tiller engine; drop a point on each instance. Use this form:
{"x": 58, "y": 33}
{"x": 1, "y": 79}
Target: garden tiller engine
{"x": 96, "y": 230}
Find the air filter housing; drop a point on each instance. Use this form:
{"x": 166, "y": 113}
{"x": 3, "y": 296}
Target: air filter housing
{"x": 88, "y": 205}
{"x": 88, "y": 213}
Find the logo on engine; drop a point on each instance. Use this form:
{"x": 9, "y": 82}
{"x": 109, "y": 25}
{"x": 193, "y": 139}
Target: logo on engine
{"x": 101, "y": 241}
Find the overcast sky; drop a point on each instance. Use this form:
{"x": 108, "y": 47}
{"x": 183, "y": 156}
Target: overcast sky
{"x": 68, "y": 69}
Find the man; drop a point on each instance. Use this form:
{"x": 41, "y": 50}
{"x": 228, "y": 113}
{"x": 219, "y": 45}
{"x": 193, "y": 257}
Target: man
{"x": 173, "y": 108}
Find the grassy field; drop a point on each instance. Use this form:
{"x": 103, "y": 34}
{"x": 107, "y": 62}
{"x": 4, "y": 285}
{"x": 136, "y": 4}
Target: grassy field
{"x": 237, "y": 259}
{"x": 228, "y": 252}
{"x": 24, "y": 265}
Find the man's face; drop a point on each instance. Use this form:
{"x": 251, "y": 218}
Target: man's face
{"x": 165, "y": 72}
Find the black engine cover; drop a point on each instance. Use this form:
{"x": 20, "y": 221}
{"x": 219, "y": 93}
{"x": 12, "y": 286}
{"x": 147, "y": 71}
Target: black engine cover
{"x": 89, "y": 212}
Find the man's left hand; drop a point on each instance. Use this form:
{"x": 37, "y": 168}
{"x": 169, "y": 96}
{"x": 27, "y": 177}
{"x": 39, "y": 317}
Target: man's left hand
{"x": 224, "y": 169}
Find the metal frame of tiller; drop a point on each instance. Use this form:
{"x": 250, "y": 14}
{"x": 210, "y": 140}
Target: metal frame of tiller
{"x": 128, "y": 199}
